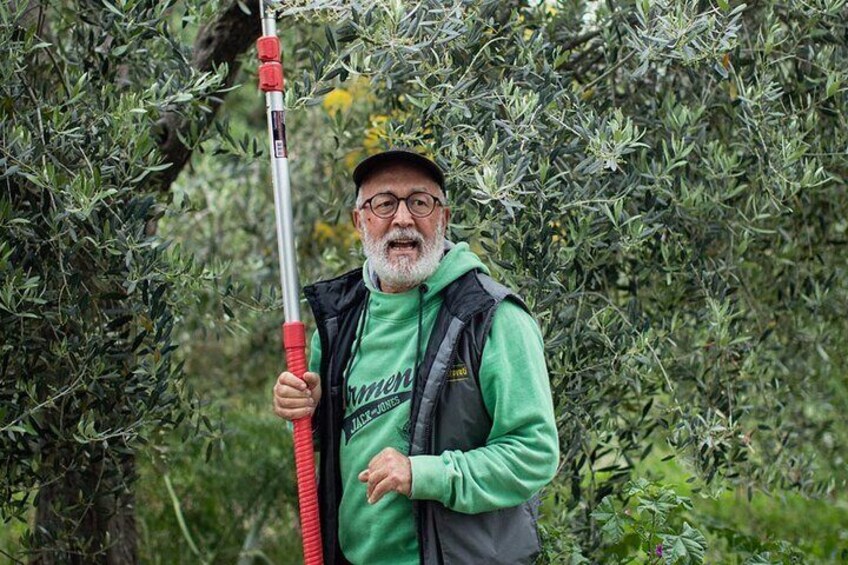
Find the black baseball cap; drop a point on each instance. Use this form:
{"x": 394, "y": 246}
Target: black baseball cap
{"x": 371, "y": 164}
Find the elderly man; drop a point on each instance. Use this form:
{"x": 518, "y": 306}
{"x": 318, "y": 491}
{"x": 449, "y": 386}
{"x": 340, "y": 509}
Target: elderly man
{"x": 433, "y": 407}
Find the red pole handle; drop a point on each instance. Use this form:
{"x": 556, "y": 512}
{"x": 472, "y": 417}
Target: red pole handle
{"x": 294, "y": 343}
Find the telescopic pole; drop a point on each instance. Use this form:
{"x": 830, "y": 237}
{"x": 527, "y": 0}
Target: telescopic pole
{"x": 271, "y": 82}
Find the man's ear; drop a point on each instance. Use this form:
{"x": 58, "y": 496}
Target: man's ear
{"x": 355, "y": 217}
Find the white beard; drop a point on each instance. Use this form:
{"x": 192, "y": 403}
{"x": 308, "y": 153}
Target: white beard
{"x": 404, "y": 271}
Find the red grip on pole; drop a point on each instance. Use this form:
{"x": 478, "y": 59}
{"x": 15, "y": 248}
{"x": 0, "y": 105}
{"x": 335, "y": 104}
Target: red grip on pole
{"x": 294, "y": 342}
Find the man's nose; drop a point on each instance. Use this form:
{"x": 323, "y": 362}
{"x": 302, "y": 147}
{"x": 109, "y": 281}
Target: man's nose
{"x": 402, "y": 216}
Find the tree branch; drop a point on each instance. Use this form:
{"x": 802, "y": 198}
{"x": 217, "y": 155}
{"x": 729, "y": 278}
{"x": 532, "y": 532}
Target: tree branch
{"x": 221, "y": 41}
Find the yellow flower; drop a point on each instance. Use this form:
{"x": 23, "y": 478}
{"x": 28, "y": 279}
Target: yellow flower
{"x": 559, "y": 232}
{"x": 376, "y": 132}
{"x": 352, "y": 158}
{"x": 337, "y": 99}
{"x": 341, "y": 234}
{"x": 322, "y": 232}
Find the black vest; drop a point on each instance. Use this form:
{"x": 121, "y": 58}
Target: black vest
{"x": 442, "y": 418}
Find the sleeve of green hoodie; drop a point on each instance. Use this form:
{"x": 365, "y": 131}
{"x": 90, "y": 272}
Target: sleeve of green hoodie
{"x": 522, "y": 451}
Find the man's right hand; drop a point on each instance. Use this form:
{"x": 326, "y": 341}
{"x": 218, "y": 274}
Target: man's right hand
{"x": 295, "y": 398}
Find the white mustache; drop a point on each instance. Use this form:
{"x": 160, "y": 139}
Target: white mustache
{"x": 398, "y": 234}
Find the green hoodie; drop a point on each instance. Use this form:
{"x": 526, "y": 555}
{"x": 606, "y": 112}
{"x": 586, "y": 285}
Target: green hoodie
{"x": 521, "y": 453}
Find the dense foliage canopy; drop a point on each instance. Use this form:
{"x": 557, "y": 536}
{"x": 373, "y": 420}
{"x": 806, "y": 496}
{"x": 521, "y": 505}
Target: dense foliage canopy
{"x": 663, "y": 181}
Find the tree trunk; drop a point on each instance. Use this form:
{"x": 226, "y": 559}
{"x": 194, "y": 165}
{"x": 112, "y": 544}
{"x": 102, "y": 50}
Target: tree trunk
{"x": 223, "y": 40}
{"x": 88, "y": 517}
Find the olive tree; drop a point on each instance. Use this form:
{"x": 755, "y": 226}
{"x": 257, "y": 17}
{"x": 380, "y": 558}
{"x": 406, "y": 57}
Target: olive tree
{"x": 101, "y": 103}
{"x": 664, "y": 183}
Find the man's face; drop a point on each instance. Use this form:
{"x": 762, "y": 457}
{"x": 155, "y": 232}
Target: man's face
{"x": 403, "y": 249}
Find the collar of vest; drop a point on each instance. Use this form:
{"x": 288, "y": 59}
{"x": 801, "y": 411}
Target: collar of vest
{"x": 333, "y": 297}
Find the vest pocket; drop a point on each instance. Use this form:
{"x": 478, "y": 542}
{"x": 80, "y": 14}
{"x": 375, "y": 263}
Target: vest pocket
{"x": 507, "y": 536}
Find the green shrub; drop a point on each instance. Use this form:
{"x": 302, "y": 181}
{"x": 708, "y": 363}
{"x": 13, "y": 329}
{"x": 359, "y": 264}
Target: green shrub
{"x": 224, "y": 498}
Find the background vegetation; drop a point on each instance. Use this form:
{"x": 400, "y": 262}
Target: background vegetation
{"x": 663, "y": 181}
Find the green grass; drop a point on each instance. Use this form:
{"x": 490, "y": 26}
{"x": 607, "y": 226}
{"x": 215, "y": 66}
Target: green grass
{"x": 10, "y": 540}
{"x": 732, "y": 524}
{"x": 241, "y": 502}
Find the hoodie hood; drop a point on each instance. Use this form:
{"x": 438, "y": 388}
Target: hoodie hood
{"x": 458, "y": 260}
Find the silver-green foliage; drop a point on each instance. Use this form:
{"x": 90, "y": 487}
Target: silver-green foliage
{"x": 664, "y": 183}
{"x": 89, "y": 296}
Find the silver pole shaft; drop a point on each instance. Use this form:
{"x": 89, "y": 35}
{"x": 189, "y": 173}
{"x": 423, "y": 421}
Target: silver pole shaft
{"x": 286, "y": 248}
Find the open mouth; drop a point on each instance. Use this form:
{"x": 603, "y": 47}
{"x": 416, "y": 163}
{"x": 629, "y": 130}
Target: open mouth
{"x": 403, "y": 244}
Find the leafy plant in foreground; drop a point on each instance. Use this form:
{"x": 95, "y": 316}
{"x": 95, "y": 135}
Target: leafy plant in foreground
{"x": 650, "y": 526}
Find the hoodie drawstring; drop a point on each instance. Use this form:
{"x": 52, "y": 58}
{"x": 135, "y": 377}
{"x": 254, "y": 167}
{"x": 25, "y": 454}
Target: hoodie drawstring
{"x": 422, "y": 288}
{"x": 360, "y": 329}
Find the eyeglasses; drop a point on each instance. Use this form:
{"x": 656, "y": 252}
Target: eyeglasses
{"x": 419, "y": 204}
